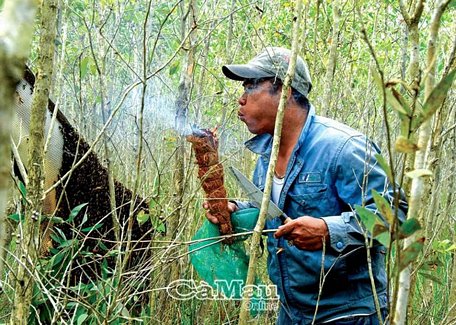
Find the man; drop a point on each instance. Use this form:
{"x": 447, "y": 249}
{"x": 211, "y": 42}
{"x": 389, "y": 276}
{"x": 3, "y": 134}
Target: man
{"x": 324, "y": 168}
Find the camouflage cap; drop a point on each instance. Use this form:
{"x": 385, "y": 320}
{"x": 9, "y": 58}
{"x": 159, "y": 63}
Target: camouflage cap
{"x": 272, "y": 62}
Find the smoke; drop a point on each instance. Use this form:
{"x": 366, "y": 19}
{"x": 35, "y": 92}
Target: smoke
{"x": 159, "y": 121}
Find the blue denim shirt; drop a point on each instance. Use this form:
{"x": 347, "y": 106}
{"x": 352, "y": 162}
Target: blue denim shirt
{"x": 324, "y": 180}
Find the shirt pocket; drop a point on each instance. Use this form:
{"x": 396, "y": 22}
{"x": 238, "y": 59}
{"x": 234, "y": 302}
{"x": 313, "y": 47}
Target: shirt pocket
{"x": 309, "y": 199}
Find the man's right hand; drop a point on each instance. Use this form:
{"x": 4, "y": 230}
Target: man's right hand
{"x": 231, "y": 208}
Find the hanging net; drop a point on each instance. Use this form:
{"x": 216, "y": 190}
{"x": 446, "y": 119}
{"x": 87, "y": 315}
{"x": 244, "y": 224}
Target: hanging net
{"x": 224, "y": 267}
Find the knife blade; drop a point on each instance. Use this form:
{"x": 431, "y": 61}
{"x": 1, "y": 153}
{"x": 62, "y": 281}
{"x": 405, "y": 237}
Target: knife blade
{"x": 256, "y": 196}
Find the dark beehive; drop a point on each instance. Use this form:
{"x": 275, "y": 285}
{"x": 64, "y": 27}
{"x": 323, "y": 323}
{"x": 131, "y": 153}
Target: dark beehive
{"x": 88, "y": 183}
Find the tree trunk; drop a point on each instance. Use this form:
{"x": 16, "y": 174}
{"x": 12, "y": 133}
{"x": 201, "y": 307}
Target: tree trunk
{"x": 428, "y": 87}
{"x": 16, "y": 31}
{"x": 332, "y": 60}
{"x": 257, "y": 231}
{"x": 418, "y": 198}
{"x": 175, "y": 219}
{"x": 315, "y": 33}
{"x": 429, "y": 201}
{"x": 29, "y": 241}
{"x": 403, "y": 290}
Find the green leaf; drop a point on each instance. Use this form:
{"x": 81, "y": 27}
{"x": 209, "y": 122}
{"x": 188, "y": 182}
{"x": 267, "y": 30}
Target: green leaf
{"x": 58, "y": 235}
{"x": 83, "y": 66}
{"x": 68, "y": 243}
{"x": 431, "y": 277}
{"x": 103, "y": 247}
{"x": 56, "y": 238}
{"x": 61, "y": 235}
{"x": 451, "y": 248}
{"x": 125, "y": 313}
{"x": 22, "y": 189}
{"x": 161, "y": 228}
{"x": 394, "y": 102}
{"x": 373, "y": 223}
{"x": 93, "y": 68}
{"x": 409, "y": 227}
{"x": 78, "y": 5}
{"x": 402, "y": 101}
{"x": 444, "y": 246}
{"x": 441, "y": 245}
{"x": 405, "y": 127}
{"x": 386, "y": 168}
{"x": 84, "y": 219}
{"x": 384, "y": 239}
{"x": 435, "y": 99}
{"x": 56, "y": 220}
{"x": 105, "y": 271}
{"x": 377, "y": 77}
{"x": 419, "y": 173}
{"x": 16, "y": 217}
{"x": 142, "y": 217}
{"x": 409, "y": 254}
{"x": 81, "y": 319}
{"x": 57, "y": 259}
{"x": 91, "y": 228}
{"x": 75, "y": 212}
{"x": 158, "y": 224}
{"x": 173, "y": 68}
{"x": 368, "y": 218}
{"x": 153, "y": 202}
{"x": 384, "y": 207}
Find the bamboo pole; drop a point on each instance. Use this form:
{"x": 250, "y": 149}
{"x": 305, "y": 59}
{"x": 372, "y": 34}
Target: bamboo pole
{"x": 29, "y": 237}
{"x": 256, "y": 237}
{"x": 417, "y": 187}
{"x": 14, "y": 50}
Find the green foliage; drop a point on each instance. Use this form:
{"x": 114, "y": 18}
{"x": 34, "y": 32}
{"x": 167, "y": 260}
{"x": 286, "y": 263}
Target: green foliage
{"x": 158, "y": 224}
{"x": 75, "y": 211}
{"x": 88, "y": 301}
{"x": 386, "y": 168}
{"x": 410, "y": 253}
{"x": 92, "y": 228}
{"x": 142, "y": 217}
{"x": 84, "y": 66}
{"x": 380, "y": 229}
{"x": 435, "y": 100}
{"x": 397, "y": 102}
{"x": 409, "y": 227}
{"x": 23, "y": 191}
{"x": 431, "y": 277}
{"x": 17, "y": 217}
{"x": 374, "y": 224}
{"x": 174, "y": 68}
{"x": 384, "y": 207}
{"x": 444, "y": 246}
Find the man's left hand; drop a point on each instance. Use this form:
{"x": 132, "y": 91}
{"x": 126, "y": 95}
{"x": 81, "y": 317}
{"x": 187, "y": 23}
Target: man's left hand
{"x": 305, "y": 233}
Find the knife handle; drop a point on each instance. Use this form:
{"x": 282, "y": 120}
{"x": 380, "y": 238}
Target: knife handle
{"x": 284, "y": 218}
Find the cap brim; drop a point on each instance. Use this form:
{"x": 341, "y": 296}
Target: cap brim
{"x": 243, "y": 71}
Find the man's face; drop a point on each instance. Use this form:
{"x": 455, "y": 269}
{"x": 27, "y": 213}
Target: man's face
{"x": 258, "y": 105}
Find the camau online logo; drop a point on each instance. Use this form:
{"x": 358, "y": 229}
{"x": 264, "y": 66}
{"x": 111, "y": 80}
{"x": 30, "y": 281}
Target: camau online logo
{"x": 183, "y": 289}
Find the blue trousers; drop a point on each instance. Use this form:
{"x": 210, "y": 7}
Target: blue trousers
{"x": 354, "y": 320}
